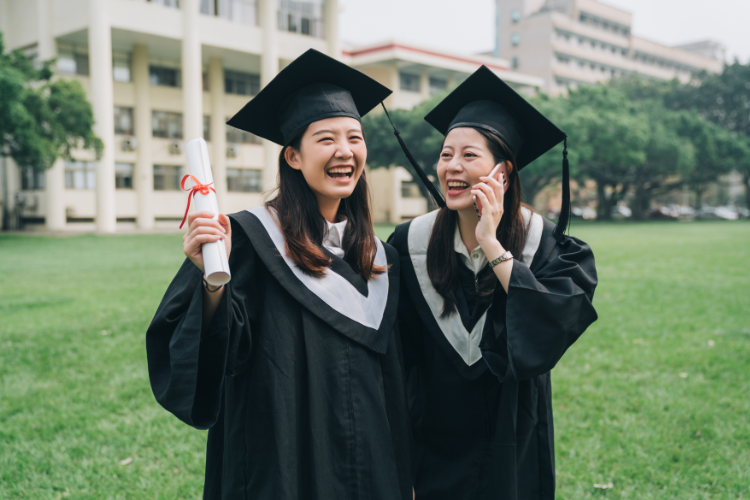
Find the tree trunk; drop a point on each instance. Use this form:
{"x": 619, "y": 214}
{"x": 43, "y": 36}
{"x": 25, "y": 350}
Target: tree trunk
{"x": 746, "y": 181}
{"x": 604, "y": 205}
{"x": 642, "y": 203}
{"x": 698, "y": 190}
{"x": 5, "y": 221}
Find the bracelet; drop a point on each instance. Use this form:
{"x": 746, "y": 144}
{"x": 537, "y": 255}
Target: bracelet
{"x": 206, "y": 286}
{"x": 501, "y": 259}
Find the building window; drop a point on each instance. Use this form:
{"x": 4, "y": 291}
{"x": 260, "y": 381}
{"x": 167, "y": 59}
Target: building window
{"x": 515, "y": 39}
{"x": 437, "y": 85}
{"x": 241, "y": 83}
{"x": 244, "y": 180}
{"x": 175, "y": 4}
{"x": 167, "y": 177}
{"x": 166, "y": 125}
{"x": 123, "y": 120}
{"x": 410, "y": 190}
{"x": 121, "y": 68}
{"x": 409, "y": 82}
{"x": 167, "y": 77}
{"x": 31, "y": 179}
{"x": 124, "y": 175}
{"x": 515, "y": 63}
{"x": 235, "y": 135}
{"x": 72, "y": 62}
{"x": 305, "y": 18}
{"x": 206, "y": 128}
{"x": 80, "y": 175}
{"x": 238, "y": 11}
{"x": 515, "y": 16}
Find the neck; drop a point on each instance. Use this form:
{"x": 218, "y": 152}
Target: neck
{"x": 329, "y": 208}
{"x": 467, "y": 225}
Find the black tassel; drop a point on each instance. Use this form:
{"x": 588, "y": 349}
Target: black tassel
{"x": 436, "y": 195}
{"x": 564, "y": 220}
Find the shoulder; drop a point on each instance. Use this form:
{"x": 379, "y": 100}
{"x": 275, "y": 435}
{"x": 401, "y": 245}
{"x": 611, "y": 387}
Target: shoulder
{"x": 390, "y": 251}
{"x": 550, "y": 248}
{"x": 414, "y": 236}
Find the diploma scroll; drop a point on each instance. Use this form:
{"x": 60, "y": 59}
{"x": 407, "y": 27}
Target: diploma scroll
{"x": 215, "y": 262}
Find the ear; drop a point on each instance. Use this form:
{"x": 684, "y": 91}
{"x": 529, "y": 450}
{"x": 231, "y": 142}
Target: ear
{"x": 292, "y": 158}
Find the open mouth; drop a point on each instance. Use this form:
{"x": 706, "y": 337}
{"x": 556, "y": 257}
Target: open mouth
{"x": 456, "y": 187}
{"x": 341, "y": 173}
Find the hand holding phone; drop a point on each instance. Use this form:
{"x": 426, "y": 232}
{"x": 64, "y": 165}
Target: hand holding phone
{"x": 494, "y": 174}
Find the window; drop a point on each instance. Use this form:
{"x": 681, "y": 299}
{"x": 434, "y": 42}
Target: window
{"x": 123, "y": 120}
{"x": 167, "y": 3}
{"x": 515, "y": 63}
{"x": 244, "y": 180}
{"x": 515, "y": 39}
{"x": 437, "y": 85}
{"x": 167, "y": 177}
{"x": 80, "y": 175}
{"x": 515, "y": 16}
{"x": 168, "y": 77}
{"x": 304, "y": 26}
{"x": 166, "y": 125}
{"x": 241, "y": 83}
{"x": 238, "y": 11}
{"x": 32, "y": 178}
{"x": 121, "y": 68}
{"x": 235, "y": 135}
{"x": 206, "y": 128}
{"x": 124, "y": 175}
{"x": 72, "y": 62}
{"x": 409, "y": 82}
{"x": 304, "y": 17}
{"x": 410, "y": 190}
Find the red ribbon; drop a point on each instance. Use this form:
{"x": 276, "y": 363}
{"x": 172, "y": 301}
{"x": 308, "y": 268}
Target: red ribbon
{"x": 197, "y": 187}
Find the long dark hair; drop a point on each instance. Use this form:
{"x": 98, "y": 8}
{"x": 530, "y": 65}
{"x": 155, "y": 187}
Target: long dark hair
{"x": 304, "y": 227}
{"x": 442, "y": 260}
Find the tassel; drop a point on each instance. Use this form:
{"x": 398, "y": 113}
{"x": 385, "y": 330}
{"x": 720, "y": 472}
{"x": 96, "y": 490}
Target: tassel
{"x": 436, "y": 195}
{"x": 564, "y": 220}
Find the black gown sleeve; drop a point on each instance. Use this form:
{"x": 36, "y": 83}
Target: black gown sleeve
{"x": 544, "y": 313}
{"x": 187, "y": 366}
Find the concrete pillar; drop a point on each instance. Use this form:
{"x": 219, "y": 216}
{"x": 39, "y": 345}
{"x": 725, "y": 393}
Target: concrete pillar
{"x": 451, "y": 80}
{"x": 100, "y": 71}
{"x": 269, "y": 67}
{"x": 144, "y": 170}
{"x": 424, "y": 84}
{"x": 394, "y": 84}
{"x": 218, "y": 128}
{"x": 54, "y": 178}
{"x": 192, "y": 72}
{"x": 331, "y": 21}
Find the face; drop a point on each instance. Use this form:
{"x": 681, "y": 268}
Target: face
{"x": 331, "y": 157}
{"x": 465, "y": 158}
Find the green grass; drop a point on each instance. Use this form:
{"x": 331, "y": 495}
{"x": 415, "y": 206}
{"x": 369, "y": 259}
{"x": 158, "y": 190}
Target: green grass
{"x": 75, "y": 399}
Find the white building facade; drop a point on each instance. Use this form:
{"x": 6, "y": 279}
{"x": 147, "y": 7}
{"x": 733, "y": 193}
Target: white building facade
{"x": 159, "y": 73}
{"x": 577, "y": 42}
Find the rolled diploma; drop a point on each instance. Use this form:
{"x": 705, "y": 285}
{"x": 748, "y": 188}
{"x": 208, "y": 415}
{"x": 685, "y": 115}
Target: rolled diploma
{"x": 215, "y": 261}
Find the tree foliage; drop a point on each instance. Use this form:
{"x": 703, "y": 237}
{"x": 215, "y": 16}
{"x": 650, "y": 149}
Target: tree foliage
{"x": 41, "y": 118}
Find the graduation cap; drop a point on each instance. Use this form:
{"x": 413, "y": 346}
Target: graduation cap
{"x": 486, "y": 102}
{"x": 312, "y": 87}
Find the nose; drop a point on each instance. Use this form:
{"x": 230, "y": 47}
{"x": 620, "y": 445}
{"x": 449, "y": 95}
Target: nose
{"x": 454, "y": 166}
{"x": 343, "y": 152}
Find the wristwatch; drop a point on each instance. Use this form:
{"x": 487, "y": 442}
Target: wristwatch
{"x": 506, "y": 256}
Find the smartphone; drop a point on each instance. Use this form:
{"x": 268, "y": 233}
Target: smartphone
{"x": 493, "y": 173}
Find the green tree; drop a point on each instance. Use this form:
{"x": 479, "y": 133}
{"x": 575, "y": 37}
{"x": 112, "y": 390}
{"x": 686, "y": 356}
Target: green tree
{"x": 41, "y": 118}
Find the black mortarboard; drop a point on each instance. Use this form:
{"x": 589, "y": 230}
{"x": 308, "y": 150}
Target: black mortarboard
{"x": 311, "y": 88}
{"x": 486, "y": 102}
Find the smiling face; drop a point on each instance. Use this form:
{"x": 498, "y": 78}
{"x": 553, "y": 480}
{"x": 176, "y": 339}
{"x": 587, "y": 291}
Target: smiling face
{"x": 331, "y": 157}
{"x": 465, "y": 158}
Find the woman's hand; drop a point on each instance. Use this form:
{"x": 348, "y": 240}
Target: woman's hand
{"x": 203, "y": 229}
{"x": 490, "y": 194}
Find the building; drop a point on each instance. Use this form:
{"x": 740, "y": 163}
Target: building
{"x": 161, "y": 72}
{"x": 575, "y": 42}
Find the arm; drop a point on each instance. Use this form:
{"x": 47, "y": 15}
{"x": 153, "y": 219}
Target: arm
{"x": 491, "y": 194}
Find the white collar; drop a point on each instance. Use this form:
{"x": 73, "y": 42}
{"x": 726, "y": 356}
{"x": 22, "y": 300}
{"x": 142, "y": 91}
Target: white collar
{"x": 334, "y": 238}
{"x": 464, "y": 342}
{"x": 333, "y": 289}
{"x": 474, "y": 261}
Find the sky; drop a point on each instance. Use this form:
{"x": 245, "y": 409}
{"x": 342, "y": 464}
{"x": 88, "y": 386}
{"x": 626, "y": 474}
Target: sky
{"x": 466, "y": 26}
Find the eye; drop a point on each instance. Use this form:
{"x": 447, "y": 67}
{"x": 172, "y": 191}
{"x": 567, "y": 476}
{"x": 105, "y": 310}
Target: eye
{"x": 323, "y": 139}
{"x": 469, "y": 154}
{"x": 445, "y": 154}
{"x": 355, "y": 138}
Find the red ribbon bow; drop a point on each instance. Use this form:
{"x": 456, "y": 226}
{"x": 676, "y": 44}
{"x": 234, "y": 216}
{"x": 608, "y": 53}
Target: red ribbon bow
{"x": 197, "y": 187}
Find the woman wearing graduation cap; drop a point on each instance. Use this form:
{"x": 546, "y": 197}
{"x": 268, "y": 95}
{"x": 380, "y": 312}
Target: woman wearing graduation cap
{"x": 489, "y": 303}
{"x": 294, "y": 365}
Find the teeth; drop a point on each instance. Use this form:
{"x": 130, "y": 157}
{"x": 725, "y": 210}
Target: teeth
{"x": 342, "y": 170}
{"x": 458, "y": 184}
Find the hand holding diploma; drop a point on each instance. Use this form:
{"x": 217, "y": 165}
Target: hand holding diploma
{"x": 207, "y": 242}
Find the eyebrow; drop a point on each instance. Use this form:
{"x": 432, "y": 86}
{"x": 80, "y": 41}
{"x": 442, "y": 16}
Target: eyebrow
{"x": 323, "y": 132}
{"x": 357, "y": 130}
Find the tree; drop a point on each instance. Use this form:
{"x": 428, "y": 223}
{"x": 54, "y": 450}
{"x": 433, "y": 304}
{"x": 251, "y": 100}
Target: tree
{"x": 41, "y": 118}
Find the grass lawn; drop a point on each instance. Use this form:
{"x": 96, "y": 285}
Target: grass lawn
{"x": 654, "y": 398}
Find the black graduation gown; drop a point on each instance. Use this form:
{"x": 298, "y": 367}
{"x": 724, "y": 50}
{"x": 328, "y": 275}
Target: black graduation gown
{"x": 302, "y": 394}
{"x": 479, "y": 382}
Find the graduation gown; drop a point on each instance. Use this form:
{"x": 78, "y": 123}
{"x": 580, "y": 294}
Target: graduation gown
{"x": 298, "y": 379}
{"x": 479, "y": 381}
